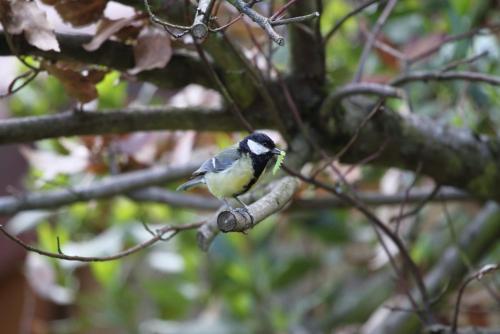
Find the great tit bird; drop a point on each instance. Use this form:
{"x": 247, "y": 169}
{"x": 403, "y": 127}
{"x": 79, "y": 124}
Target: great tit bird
{"x": 235, "y": 170}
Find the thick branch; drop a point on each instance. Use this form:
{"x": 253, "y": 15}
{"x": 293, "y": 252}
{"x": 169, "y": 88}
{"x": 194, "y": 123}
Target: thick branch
{"x": 451, "y": 156}
{"x": 27, "y": 129}
{"x": 179, "y": 72}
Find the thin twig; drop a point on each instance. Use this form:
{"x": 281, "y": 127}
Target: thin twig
{"x": 446, "y": 76}
{"x": 373, "y": 36}
{"x": 453, "y": 38}
{"x": 346, "y": 17}
{"x": 60, "y": 255}
{"x": 296, "y": 19}
{"x": 419, "y": 206}
{"x": 166, "y": 25}
{"x": 379, "y": 224}
{"x": 487, "y": 269}
{"x": 282, "y": 9}
{"x": 466, "y": 61}
{"x": 222, "y": 88}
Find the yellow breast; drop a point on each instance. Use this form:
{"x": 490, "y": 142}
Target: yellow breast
{"x": 231, "y": 181}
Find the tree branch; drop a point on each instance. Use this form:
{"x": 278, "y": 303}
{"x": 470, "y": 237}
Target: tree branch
{"x": 446, "y": 76}
{"x": 231, "y": 221}
{"x": 476, "y": 241}
{"x": 416, "y": 196}
{"x": 364, "y": 88}
{"x": 451, "y": 156}
{"x": 107, "y": 187}
{"x": 179, "y": 72}
{"x": 352, "y": 13}
{"x": 27, "y": 129}
{"x": 372, "y": 37}
{"x": 159, "y": 235}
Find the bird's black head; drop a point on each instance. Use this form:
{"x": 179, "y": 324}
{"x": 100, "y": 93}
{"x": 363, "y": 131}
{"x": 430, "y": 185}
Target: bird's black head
{"x": 261, "y": 149}
{"x": 259, "y": 144}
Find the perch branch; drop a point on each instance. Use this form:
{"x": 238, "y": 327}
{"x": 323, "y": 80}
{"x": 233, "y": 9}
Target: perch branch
{"x": 231, "y": 221}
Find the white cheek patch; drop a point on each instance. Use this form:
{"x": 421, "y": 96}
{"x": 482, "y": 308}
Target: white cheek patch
{"x": 257, "y": 148}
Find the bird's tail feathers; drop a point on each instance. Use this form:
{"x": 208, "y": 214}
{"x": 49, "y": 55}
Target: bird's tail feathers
{"x": 191, "y": 183}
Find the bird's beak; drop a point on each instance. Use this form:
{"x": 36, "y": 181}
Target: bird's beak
{"x": 276, "y": 151}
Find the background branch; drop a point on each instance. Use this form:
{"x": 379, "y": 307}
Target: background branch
{"x": 159, "y": 235}
{"x": 417, "y": 196}
{"x": 451, "y": 156}
{"x": 476, "y": 240}
{"x": 107, "y": 187}
{"x": 117, "y": 56}
{"x": 130, "y": 119}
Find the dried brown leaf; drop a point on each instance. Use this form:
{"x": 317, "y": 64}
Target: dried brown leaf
{"x": 106, "y": 29}
{"x": 77, "y": 12}
{"x": 20, "y": 16}
{"x": 153, "y": 50}
{"x": 420, "y": 46}
{"x": 78, "y": 84}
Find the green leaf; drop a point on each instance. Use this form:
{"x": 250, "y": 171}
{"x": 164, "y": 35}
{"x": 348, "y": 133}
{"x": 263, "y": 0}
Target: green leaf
{"x": 105, "y": 272}
{"x": 112, "y": 91}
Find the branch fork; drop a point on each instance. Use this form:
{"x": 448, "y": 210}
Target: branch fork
{"x": 200, "y": 29}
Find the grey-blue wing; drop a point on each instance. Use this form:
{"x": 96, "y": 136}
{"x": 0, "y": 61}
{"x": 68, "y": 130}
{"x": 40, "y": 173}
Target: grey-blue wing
{"x": 220, "y": 162}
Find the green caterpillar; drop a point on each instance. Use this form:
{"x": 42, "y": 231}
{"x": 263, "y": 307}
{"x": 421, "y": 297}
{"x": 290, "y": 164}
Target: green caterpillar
{"x": 279, "y": 161}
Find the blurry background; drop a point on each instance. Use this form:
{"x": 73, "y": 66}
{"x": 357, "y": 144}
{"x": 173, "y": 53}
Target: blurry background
{"x": 301, "y": 271}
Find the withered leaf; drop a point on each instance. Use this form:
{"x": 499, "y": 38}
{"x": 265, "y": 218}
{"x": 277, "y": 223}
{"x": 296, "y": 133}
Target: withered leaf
{"x": 20, "y": 16}
{"x": 106, "y": 29}
{"x": 77, "y": 12}
{"x": 153, "y": 50}
{"x": 78, "y": 84}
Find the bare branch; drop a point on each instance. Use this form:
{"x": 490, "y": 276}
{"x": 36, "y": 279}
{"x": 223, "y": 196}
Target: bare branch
{"x": 466, "y": 61}
{"x": 110, "y": 186}
{"x": 361, "y": 89}
{"x": 60, "y": 255}
{"x": 231, "y": 221}
{"x": 453, "y": 38}
{"x": 297, "y": 19}
{"x": 487, "y": 269}
{"x": 478, "y": 238}
{"x": 182, "y": 69}
{"x": 446, "y": 76}
{"x": 411, "y": 139}
{"x": 262, "y": 21}
{"x": 417, "y": 196}
{"x": 176, "y": 199}
{"x": 118, "y": 121}
{"x": 373, "y": 36}
{"x": 352, "y": 13}
{"x": 200, "y": 24}
{"x": 355, "y": 202}
{"x": 442, "y": 329}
